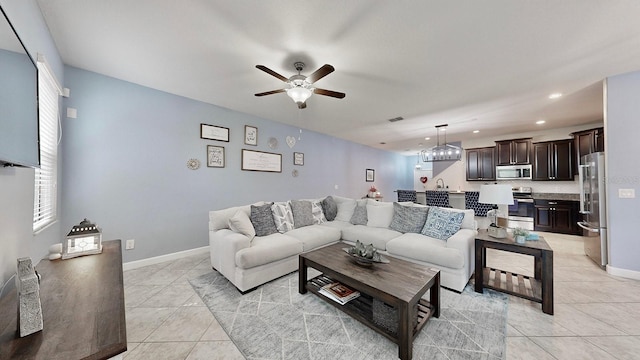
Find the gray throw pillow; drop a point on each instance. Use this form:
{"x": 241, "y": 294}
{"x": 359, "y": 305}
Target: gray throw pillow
{"x": 408, "y": 219}
{"x": 330, "y": 208}
{"x": 262, "y": 220}
{"x": 441, "y": 223}
{"x": 302, "y": 213}
{"x": 359, "y": 216}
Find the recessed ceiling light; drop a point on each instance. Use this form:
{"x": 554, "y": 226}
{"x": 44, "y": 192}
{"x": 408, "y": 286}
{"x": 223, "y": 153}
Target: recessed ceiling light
{"x": 476, "y": 131}
{"x": 427, "y": 138}
{"x": 555, "y": 95}
{"x": 420, "y": 144}
{"x": 540, "y": 122}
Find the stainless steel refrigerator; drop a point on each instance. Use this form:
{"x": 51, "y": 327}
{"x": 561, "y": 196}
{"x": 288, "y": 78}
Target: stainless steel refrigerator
{"x": 593, "y": 206}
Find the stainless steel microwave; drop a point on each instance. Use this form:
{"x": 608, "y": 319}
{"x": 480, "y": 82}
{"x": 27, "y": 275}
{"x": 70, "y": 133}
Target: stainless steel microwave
{"x": 511, "y": 172}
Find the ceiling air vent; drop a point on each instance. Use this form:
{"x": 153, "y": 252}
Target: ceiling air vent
{"x": 396, "y": 119}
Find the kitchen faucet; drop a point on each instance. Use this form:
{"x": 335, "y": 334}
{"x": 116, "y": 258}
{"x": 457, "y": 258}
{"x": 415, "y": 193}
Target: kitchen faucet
{"x": 438, "y": 186}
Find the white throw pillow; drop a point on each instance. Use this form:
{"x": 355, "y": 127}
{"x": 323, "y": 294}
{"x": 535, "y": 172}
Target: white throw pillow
{"x": 379, "y": 214}
{"x": 241, "y": 223}
{"x": 346, "y": 207}
{"x": 316, "y": 211}
{"x": 282, "y": 216}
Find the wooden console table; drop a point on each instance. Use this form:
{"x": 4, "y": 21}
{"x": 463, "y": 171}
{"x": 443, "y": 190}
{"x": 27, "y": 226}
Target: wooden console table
{"x": 82, "y": 307}
{"x": 538, "y": 289}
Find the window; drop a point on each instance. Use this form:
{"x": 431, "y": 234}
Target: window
{"x": 46, "y": 177}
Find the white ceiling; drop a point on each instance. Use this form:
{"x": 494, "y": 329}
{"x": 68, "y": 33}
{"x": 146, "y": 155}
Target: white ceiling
{"x": 476, "y": 65}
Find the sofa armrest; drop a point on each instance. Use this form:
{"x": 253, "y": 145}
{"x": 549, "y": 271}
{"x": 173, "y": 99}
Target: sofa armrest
{"x": 224, "y": 244}
{"x": 464, "y": 241}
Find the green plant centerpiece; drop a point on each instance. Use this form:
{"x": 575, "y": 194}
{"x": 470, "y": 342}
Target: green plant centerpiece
{"x": 520, "y": 235}
{"x": 365, "y": 254}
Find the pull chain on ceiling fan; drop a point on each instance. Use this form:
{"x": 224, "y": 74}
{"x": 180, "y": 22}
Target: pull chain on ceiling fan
{"x": 300, "y": 86}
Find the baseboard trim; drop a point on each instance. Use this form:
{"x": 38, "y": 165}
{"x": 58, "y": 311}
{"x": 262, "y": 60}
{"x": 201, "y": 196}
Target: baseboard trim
{"x": 162, "y": 258}
{"x": 630, "y": 274}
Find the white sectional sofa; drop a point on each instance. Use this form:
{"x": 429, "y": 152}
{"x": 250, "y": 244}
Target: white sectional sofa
{"x": 249, "y": 261}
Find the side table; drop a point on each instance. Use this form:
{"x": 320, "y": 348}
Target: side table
{"x": 538, "y": 289}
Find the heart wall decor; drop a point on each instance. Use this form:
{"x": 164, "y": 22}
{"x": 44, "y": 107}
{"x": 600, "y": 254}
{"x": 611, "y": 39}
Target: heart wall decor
{"x": 424, "y": 179}
{"x": 291, "y": 141}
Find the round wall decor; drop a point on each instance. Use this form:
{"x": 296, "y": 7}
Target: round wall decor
{"x": 193, "y": 164}
{"x": 273, "y": 143}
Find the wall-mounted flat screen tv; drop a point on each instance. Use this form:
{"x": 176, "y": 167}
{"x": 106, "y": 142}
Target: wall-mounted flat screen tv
{"x": 19, "y": 141}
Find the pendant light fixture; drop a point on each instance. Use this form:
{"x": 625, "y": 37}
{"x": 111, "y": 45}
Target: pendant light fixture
{"x": 444, "y": 151}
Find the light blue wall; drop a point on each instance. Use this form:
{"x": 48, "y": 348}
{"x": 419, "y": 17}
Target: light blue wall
{"x": 125, "y": 161}
{"x": 16, "y": 184}
{"x": 622, "y": 131}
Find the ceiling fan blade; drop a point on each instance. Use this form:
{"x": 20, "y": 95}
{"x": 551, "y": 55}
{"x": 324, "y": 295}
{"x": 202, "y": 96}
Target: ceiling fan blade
{"x": 334, "y": 94}
{"x": 272, "y": 73}
{"x": 302, "y": 106}
{"x": 270, "y": 92}
{"x": 325, "y": 70}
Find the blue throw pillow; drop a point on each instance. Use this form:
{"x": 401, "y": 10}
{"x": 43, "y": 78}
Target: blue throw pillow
{"x": 441, "y": 223}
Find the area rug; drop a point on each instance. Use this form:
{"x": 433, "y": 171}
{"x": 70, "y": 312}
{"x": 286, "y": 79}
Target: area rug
{"x": 276, "y": 322}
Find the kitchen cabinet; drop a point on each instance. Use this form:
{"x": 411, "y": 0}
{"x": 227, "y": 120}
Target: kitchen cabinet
{"x": 557, "y": 216}
{"x": 480, "y": 164}
{"x": 587, "y": 142}
{"x": 553, "y": 160}
{"x": 513, "y": 152}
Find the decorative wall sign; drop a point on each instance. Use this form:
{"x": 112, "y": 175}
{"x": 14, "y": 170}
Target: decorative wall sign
{"x": 298, "y": 158}
{"x": 291, "y": 141}
{"x": 370, "y": 175}
{"x": 250, "y": 135}
{"x": 261, "y": 161}
{"x": 212, "y": 132}
{"x": 215, "y": 156}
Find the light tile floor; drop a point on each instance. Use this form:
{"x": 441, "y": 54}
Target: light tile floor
{"x": 597, "y": 316}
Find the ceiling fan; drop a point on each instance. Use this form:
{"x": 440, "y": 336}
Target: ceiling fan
{"x": 300, "y": 87}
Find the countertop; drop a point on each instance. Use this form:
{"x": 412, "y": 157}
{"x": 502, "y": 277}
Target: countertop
{"x": 556, "y": 196}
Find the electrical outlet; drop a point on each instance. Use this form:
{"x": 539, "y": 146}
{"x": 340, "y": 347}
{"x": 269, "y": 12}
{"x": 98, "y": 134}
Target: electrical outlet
{"x": 335, "y": 186}
{"x": 130, "y": 244}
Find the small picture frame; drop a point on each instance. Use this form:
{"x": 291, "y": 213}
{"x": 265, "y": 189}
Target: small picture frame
{"x": 213, "y": 132}
{"x": 298, "y": 158}
{"x": 251, "y": 135}
{"x": 370, "y": 175}
{"x": 215, "y": 156}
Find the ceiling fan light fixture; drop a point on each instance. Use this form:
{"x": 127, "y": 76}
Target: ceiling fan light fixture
{"x": 299, "y": 94}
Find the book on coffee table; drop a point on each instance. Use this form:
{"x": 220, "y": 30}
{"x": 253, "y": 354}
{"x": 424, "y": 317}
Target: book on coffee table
{"x": 338, "y": 292}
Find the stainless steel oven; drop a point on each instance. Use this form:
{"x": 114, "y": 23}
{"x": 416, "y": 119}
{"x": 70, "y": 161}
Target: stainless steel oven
{"x": 521, "y": 212}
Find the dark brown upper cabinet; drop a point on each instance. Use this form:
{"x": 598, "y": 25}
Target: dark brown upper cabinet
{"x": 553, "y": 160}
{"x": 480, "y": 164}
{"x": 513, "y": 152}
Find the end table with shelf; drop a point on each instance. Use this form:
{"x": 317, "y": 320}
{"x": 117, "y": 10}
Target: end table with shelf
{"x": 538, "y": 288}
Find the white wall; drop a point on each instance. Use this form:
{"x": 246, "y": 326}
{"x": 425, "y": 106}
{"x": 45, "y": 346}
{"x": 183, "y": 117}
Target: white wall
{"x": 17, "y": 184}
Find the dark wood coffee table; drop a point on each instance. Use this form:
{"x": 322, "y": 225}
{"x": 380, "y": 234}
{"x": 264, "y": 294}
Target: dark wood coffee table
{"x": 538, "y": 289}
{"x": 399, "y": 283}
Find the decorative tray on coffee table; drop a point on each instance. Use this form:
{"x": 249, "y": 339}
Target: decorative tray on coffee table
{"x": 371, "y": 254}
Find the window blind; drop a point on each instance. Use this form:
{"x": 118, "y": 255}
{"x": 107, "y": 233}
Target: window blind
{"x": 46, "y": 177}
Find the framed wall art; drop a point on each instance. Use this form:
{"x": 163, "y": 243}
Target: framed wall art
{"x": 215, "y": 156}
{"x": 370, "y": 175}
{"x": 298, "y": 158}
{"x": 250, "y": 135}
{"x": 213, "y": 132}
{"x": 253, "y": 160}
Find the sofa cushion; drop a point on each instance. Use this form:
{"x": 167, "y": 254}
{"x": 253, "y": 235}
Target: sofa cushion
{"x": 369, "y": 235}
{"x": 267, "y": 249}
{"x": 337, "y": 224}
{"x": 282, "y": 216}
{"x": 345, "y": 208}
{"x": 219, "y": 219}
{"x": 262, "y": 219}
{"x": 317, "y": 212}
{"x": 360, "y": 213}
{"x": 315, "y": 236}
{"x": 442, "y": 223}
{"x": 330, "y": 208}
{"x": 379, "y": 214}
{"x": 302, "y": 214}
{"x": 408, "y": 219}
{"x": 241, "y": 223}
{"x": 424, "y": 248}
